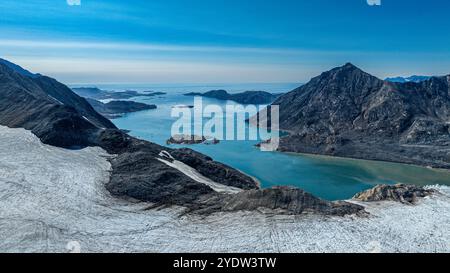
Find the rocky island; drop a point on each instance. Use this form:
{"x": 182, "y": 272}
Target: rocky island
{"x": 191, "y": 139}
{"x": 247, "y": 97}
{"x": 116, "y": 108}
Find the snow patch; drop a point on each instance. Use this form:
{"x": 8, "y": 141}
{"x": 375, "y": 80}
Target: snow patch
{"x": 55, "y": 99}
{"x": 195, "y": 175}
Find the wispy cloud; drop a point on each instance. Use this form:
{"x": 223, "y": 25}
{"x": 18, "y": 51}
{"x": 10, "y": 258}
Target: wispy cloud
{"x": 94, "y": 61}
{"x": 92, "y": 70}
{"x": 145, "y": 46}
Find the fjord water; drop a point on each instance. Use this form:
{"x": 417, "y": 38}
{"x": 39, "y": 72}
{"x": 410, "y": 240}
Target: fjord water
{"x": 327, "y": 177}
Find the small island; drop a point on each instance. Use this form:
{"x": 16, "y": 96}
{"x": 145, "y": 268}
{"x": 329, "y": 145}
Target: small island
{"x": 191, "y": 140}
{"x": 115, "y": 109}
{"x": 183, "y": 106}
{"x": 247, "y": 97}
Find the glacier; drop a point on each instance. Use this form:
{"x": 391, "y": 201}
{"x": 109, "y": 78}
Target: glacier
{"x": 54, "y": 200}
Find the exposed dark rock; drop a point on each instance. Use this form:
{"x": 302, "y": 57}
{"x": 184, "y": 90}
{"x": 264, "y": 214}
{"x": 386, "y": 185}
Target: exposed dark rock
{"x": 141, "y": 176}
{"x": 280, "y": 200}
{"x": 247, "y": 97}
{"x": 49, "y": 109}
{"x": 115, "y": 109}
{"x": 399, "y": 193}
{"x": 98, "y": 94}
{"x": 349, "y": 113}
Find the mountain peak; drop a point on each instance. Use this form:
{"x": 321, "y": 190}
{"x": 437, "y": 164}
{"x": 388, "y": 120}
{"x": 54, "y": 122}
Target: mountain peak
{"x": 347, "y": 72}
{"x": 349, "y": 65}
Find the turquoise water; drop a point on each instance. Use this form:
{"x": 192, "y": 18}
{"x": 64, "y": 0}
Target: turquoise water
{"x": 326, "y": 177}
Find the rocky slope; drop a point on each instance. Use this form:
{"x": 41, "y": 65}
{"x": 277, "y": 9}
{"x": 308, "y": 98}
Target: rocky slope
{"x": 247, "y": 97}
{"x": 347, "y": 112}
{"x": 115, "y": 109}
{"x": 48, "y": 108}
{"x": 407, "y": 194}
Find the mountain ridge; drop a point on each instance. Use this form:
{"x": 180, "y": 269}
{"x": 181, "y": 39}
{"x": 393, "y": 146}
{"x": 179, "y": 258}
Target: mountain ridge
{"x": 350, "y": 113}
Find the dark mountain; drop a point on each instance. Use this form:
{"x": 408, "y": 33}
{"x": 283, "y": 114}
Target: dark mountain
{"x": 115, "y": 109}
{"x": 48, "y": 108}
{"x": 98, "y": 94}
{"x": 247, "y": 97}
{"x": 347, "y": 112}
{"x": 414, "y": 78}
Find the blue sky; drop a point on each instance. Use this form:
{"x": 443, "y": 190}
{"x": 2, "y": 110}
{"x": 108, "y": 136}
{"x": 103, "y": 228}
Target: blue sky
{"x": 163, "y": 41}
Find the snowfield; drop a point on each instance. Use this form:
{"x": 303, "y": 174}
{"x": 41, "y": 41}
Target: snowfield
{"x": 53, "y": 200}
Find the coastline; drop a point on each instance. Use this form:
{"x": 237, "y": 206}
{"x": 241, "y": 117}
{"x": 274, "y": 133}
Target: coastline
{"x": 323, "y": 156}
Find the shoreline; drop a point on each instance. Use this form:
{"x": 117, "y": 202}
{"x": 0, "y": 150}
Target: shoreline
{"x": 443, "y": 170}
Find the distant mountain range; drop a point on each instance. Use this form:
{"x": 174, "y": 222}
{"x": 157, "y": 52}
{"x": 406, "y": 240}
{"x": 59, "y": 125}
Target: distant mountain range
{"x": 414, "y": 78}
{"x": 98, "y": 94}
{"x": 350, "y": 113}
{"x": 247, "y": 97}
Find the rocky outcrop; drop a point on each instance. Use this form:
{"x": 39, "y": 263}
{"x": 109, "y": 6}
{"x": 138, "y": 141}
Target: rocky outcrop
{"x": 408, "y": 194}
{"x": 349, "y": 113}
{"x": 247, "y": 97}
{"x": 141, "y": 176}
{"x": 191, "y": 140}
{"x": 279, "y": 200}
{"x": 116, "y": 109}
